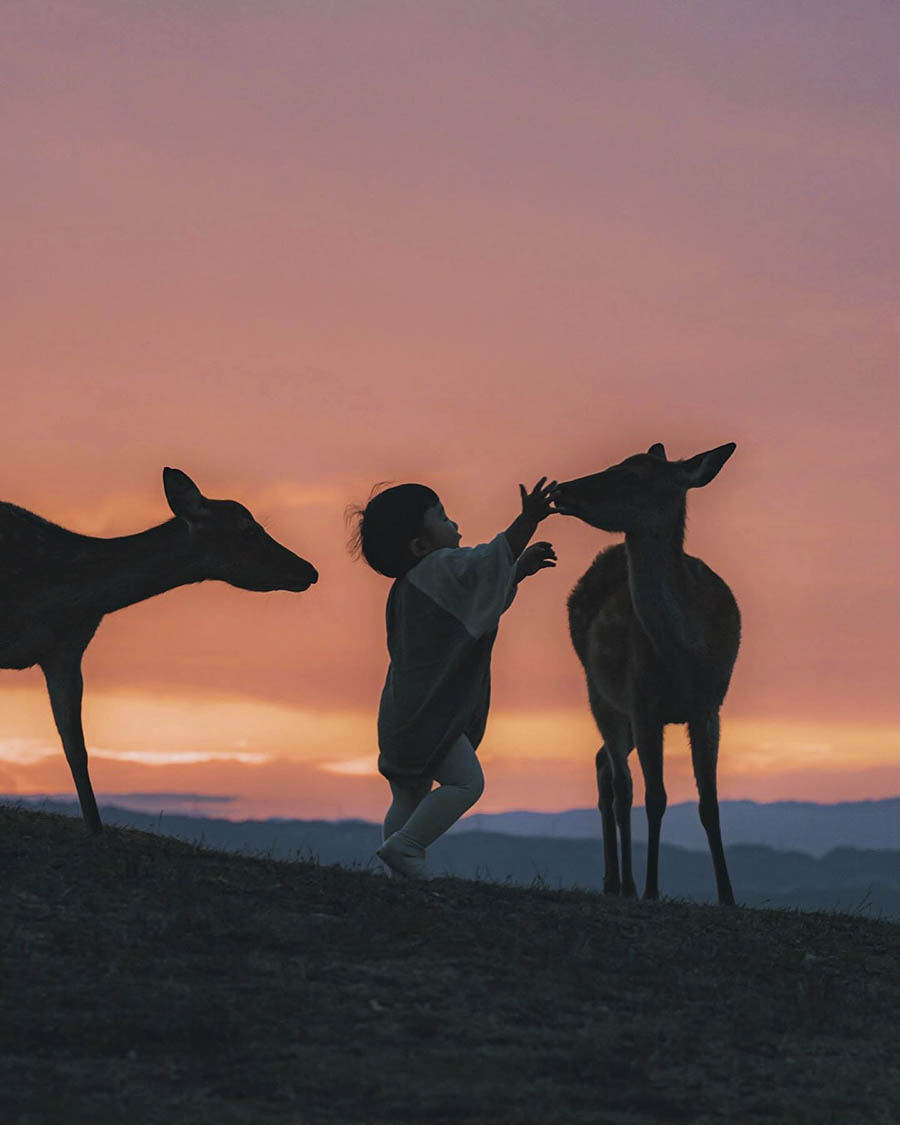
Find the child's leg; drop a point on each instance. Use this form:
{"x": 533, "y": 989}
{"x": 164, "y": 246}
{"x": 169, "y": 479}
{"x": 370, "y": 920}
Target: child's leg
{"x": 461, "y": 783}
{"x": 404, "y": 804}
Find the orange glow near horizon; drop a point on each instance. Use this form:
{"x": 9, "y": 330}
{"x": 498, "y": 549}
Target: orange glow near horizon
{"x": 280, "y": 761}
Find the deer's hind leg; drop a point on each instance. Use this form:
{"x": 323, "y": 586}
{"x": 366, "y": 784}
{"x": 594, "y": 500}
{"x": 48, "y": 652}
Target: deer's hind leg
{"x": 612, "y": 883}
{"x": 62, "y": 670}
{"x": 615, "y": 795}
{"x": 649, "y": 738}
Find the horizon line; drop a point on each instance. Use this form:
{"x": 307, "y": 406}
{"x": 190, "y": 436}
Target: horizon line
{"x": 108, "y": 800}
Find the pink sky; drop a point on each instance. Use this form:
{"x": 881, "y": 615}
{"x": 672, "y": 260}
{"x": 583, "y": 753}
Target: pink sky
{"x": 298, "y": 249}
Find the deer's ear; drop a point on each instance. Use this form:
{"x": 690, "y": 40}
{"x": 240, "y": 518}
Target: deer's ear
{"x": 657, "y": 449}
{"x": 185, "y": 498}
{"x": 700, "y": 470}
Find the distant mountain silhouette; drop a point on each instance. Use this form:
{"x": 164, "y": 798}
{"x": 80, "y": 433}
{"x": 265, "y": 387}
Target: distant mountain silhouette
{"x": 784, "y": 825}
{"x": 845, "y": 878}
{"x": 802, "y": 826}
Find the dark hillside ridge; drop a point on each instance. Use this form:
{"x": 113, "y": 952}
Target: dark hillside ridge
{"x": 845, "y": 879}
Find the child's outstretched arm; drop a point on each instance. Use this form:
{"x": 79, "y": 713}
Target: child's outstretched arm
{"x": 536, "y": 506}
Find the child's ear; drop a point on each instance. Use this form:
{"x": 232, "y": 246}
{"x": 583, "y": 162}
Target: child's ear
{"x": 418, "y": 547}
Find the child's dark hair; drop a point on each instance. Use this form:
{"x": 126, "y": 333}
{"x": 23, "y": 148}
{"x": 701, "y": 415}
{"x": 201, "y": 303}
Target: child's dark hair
{"x": 386, "y": 525}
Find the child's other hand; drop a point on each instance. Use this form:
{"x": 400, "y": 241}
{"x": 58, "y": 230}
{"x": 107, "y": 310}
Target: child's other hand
{"x": 537, "y": 504}
{"x": 537, "y": 557}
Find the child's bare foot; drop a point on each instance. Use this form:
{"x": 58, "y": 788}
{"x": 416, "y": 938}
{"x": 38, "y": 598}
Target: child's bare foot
{"x": 403, "y": 856}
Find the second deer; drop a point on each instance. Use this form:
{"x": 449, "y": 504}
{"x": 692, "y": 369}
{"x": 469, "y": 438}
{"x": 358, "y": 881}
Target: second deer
{"x": 657, "y": 633}
{"x": 56, "y": 586}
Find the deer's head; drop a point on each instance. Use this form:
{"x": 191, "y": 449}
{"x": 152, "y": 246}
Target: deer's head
{"x": 229, "y": 543}
{"x": 642, "y": 492}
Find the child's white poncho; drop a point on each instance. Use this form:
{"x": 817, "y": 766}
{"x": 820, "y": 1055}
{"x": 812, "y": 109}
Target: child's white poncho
{"x": 442, "y": 619}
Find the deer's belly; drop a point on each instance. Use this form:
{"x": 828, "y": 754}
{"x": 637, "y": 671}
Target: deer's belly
{"x": 24, "y": 644}
{"x": 23, "y": 652}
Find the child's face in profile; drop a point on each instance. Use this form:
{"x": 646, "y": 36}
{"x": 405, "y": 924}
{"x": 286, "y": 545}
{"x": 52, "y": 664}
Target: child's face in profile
{"x": 438, "y": 530}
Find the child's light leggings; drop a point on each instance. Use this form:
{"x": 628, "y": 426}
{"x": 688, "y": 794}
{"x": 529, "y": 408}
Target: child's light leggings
{"x": 424, "y": 813}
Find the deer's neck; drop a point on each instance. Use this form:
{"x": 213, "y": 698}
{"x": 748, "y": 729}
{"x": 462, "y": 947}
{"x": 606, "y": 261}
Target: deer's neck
{"x": 119, "y": 572}
{"x": 658, "y": 581}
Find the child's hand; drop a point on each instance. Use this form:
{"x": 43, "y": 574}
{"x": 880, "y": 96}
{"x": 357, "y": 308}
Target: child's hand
{"x": 537, "y": 504}
{"x": 537, "y": 557}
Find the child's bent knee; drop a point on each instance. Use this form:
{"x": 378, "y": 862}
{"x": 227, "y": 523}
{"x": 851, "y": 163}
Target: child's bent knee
{"x": 475, "y": 787}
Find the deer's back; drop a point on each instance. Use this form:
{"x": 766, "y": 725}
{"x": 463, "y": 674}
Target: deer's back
{"x": 31, "y": 545}
{"x": 35, "y": 558}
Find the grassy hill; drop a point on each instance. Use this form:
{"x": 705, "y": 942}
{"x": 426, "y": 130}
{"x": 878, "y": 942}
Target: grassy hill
{"x": 149, "y": 980}
{"x": 848, "y": 879}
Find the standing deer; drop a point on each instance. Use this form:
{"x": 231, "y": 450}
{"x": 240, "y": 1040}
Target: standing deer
{"x": 57, "y": 585}
{"x": 657, "y": 632}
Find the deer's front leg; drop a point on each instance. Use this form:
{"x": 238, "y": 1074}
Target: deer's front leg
{"x": 62, "y": 670}
{"x": 704, "y": 735}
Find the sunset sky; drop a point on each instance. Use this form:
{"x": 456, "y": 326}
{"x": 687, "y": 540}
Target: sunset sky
{"x": 298, "y": 248}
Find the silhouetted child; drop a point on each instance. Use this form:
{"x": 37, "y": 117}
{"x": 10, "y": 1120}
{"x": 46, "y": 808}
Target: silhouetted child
{"x": 442, "y": 615}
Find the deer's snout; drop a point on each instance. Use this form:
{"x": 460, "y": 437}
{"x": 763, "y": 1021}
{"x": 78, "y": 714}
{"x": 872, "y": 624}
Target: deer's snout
{"x": 565, "y": 500}
{"x": 307, "y": 577}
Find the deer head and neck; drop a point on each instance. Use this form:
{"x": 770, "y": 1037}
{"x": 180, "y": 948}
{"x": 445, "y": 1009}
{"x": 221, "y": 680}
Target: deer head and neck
{"x": 207, "y": 539}
{"x": 645, "y": 496}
